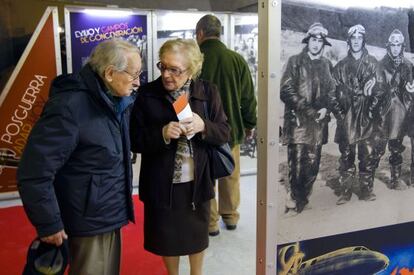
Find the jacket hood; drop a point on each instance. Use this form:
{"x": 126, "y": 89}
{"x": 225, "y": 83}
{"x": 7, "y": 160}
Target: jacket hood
{"x": 66, "y": 83}
{"x": 86, "y": 81}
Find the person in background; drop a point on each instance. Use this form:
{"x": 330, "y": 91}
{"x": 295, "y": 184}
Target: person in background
{"x": 304, "y": 90}
{"x": 394, "y": 105}
{"x": 74, "y": 177}
{"x": 359, "y": 86}
{"x": 230, "y": 72}
{"x": 175, "y": 182}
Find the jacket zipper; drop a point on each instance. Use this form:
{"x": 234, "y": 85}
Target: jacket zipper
{"x": 194, "y": 181}
{"x": 190, "y": 98}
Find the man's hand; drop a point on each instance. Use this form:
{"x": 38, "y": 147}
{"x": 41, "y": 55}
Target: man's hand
{"x": 56, "y": 239}
{"x": 368, "y": 86}
{"x": 322, "y": 114}
{"x": 410, "y": 87}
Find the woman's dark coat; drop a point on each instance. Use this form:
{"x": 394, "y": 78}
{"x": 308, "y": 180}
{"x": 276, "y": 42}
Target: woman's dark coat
{"x": 152, "y": 111}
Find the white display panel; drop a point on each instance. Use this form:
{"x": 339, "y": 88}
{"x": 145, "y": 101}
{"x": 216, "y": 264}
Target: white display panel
{"x": 179, "y": 24}
{"x": 334, "y": 233}
{"x": 268, "y": 135}
{"x": 244, "y": 39}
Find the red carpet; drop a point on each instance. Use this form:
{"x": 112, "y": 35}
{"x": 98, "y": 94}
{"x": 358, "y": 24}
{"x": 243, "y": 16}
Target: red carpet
{"x": 16, "y": 233}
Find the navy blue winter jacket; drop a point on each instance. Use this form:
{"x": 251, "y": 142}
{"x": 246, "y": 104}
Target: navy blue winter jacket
{"x": 75, "y": 172}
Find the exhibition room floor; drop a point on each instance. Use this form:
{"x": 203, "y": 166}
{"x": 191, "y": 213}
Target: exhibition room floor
{"x": 234, "y": 252}
{"x": 229, "y": 253}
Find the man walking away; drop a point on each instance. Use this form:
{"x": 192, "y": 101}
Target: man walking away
{"x": 230, "y": 72}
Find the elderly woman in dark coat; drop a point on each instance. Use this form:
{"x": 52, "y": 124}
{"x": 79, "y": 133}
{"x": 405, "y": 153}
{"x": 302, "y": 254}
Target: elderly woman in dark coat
{"x": 175, "y": 182}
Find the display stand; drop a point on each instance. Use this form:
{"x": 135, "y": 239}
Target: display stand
{"x": 268, "y": 159}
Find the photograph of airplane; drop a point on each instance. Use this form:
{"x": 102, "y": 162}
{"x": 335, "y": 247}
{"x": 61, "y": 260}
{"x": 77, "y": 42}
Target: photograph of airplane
{"x": 349, "y": 260}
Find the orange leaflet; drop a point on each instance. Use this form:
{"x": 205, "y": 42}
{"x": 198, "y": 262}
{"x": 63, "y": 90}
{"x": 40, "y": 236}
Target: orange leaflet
{"x": 180, "y": 103}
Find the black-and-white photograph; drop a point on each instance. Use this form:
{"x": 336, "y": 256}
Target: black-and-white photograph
{"x": 171, "y": 25}
{"x": 346, "y": 128}
{"x": 245, "y": 42}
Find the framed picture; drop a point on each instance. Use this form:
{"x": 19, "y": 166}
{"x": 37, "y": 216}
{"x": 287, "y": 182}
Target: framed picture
{"x": 345, "y": 155}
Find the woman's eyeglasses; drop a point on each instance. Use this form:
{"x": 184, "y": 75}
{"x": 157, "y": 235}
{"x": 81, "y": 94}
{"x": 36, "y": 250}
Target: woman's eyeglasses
{"x": 173, "y": 71}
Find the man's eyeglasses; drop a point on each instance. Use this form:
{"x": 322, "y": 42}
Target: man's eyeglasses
{"x": 133, "y": 76}
{"x": 173, "y": 71}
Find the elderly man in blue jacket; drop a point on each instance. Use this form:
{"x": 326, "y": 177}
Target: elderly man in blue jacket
{"x": 75, "y": 173}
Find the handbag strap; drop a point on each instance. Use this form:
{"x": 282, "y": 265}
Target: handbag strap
{"x": 206, "y": 113}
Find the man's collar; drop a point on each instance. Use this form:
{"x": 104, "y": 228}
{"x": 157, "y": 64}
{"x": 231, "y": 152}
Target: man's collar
{"x": 210, "y": 40}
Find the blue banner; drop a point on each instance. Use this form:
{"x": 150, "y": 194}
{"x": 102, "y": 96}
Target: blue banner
{"x": 87, "y": 30}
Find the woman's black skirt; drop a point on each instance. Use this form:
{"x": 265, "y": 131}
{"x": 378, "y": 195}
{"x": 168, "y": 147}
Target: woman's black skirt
{"x": 179, "y": 230}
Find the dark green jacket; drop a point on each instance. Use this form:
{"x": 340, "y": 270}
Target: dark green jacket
{"x": 230, "y": 72}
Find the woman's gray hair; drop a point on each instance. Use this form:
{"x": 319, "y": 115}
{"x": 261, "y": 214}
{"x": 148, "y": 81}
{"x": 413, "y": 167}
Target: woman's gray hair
{"x": 189, "y": 49}
{"x": 111, "y": 52}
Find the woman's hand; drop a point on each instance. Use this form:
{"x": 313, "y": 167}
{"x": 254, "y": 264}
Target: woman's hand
{"x": 172, "y": 130}
{"x": 193, "y": 125}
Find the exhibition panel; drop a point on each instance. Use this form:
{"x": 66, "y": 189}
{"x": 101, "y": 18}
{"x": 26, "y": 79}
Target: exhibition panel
{"x": 87, "y": 26}
{"x": 268, "y": 135}
{"x": 343, "y": 200}
{"x": 180, "y": 24}
{"x": 22, "y": 99}
{"x": 244, "y": 39}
